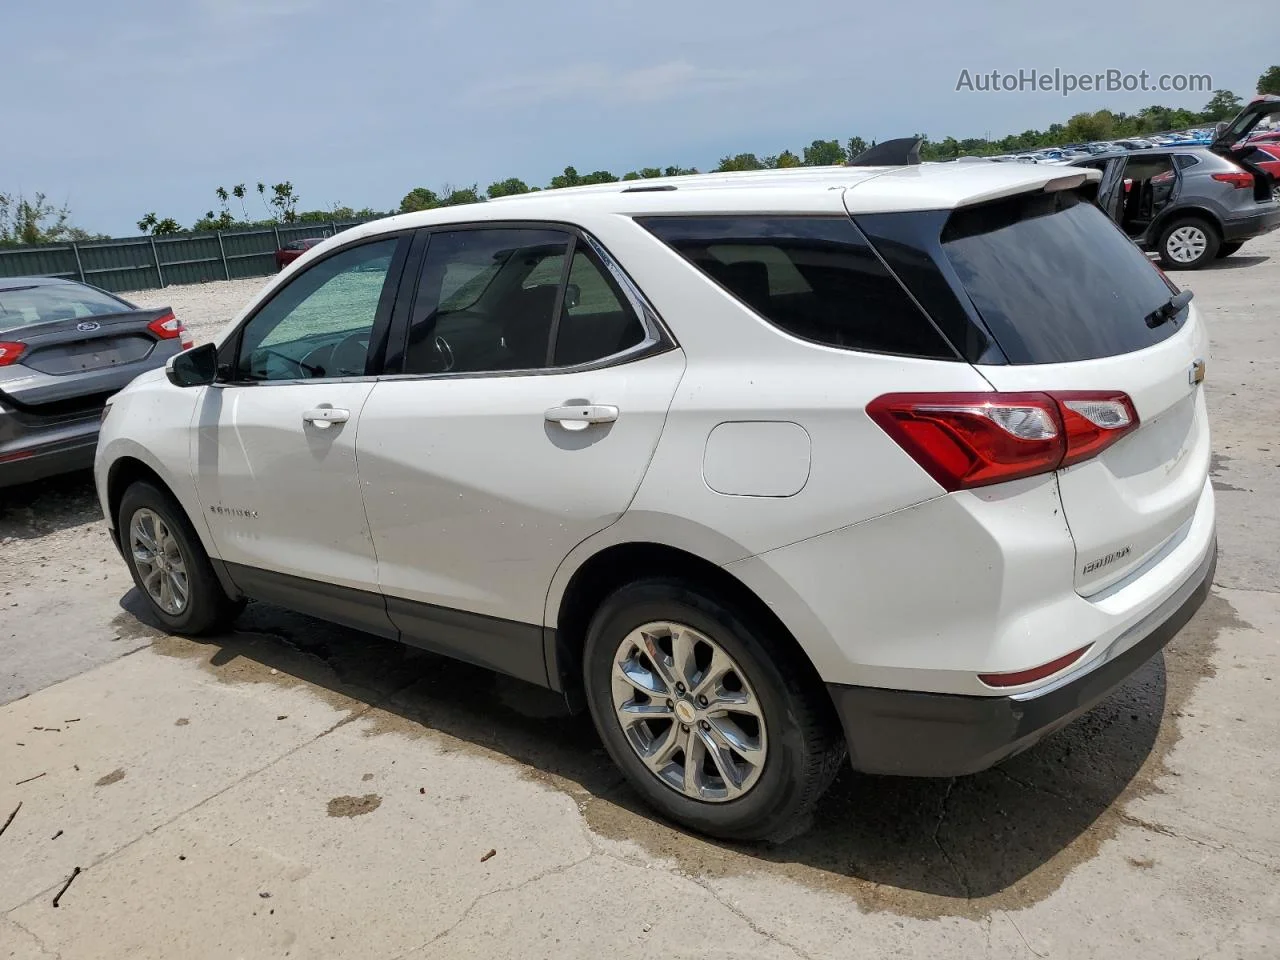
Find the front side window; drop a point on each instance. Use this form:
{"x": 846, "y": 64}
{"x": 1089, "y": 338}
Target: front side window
{"x": 320, "y": 324}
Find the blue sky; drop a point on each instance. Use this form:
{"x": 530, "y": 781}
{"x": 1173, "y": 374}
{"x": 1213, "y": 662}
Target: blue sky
{"x": 140, "y": 105}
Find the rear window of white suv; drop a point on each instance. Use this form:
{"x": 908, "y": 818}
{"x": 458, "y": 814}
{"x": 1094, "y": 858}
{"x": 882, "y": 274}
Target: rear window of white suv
{"x": 1054, "y": 280}
{"x": 817, "y": 278}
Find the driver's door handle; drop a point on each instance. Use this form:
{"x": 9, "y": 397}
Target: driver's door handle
{"x": 325, "y": 417}
{"x": 579, "y": 417}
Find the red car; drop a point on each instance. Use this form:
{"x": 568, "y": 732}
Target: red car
{"x": 1261, "y": 138}
{"x": 1266, "y": 156}
{"x": 292, "y": 251}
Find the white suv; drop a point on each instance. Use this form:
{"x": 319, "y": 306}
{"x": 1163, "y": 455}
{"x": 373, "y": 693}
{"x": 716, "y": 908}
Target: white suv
{"x": 760, "y": 467}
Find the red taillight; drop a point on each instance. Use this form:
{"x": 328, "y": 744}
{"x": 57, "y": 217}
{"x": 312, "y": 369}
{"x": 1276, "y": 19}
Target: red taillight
{"x": 1032, "y": 675}
{"x": 966, "y": 440}
{"x": 1093, "y": 422}
{"x": 10, "y": 352}
{"x": 167, "y": 327}
{"x": 1241, "y": 180}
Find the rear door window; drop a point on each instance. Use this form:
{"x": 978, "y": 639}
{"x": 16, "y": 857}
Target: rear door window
{"x": 817, "y": 278}
{"x": 1054, "y": 280}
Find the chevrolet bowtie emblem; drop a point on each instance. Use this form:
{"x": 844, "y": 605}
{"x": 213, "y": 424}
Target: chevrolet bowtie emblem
{"x": 1196, "y": 373}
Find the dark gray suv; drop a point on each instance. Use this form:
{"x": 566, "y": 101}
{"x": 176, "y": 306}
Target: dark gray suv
{"x": 1191, "y": 204}
{"x": 65, "y": 347}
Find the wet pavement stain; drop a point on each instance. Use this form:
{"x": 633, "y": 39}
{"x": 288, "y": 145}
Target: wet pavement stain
{"x": 354, "y": 806}
{"x": 115, "y": 776}
{"x": 999, "y": 840}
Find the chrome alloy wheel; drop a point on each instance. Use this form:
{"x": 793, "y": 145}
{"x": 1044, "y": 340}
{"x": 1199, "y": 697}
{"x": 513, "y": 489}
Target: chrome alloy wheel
{"x": 159, "y": 561}
{"x": 689, "y": 712}
{"x": 1186, "y": 244}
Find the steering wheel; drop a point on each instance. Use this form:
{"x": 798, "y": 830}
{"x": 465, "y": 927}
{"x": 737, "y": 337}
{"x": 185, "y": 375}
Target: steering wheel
{"x": 350, "y": 355}
{"x": 445, "y": 351}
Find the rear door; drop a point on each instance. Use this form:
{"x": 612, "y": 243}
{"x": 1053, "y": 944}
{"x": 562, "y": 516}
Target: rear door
{"x": 534, "y": 388}
{"x": 1072, "y": 304}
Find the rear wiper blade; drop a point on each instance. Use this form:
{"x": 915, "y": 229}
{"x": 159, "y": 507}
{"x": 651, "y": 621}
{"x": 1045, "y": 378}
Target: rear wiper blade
{"x": 1168, "y": 311}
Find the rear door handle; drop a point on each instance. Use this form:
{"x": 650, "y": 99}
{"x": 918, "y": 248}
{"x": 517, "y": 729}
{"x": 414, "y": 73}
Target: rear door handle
{"x": 325, "y": 417}
{"x": 579, "y": 417}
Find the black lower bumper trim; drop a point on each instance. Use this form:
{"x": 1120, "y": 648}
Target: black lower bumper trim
{"x": 914, "y": 734}
{"x": 48, "y": 462}
{"x": 1246, "y": 228}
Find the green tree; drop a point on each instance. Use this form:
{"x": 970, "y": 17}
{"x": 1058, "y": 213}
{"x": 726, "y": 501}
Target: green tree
{"x": 507, "y": 188}
{"x": 1084, "y": 127}
{"x": 679, "y": 171}
{"x": 787, "y": 159}
{"x": 457, "y": 195}
{"x": 1223, "y": 105}
{"x": 1269, "y": 82}
{"x": 284, "y": 201}
{"x": 599, "y": 176}
{"x": 824, "y": 153}
{"x": 419, "y": 198}
{"x": 569, "y": 178}
{"x": 34, "y": 220}
{"x": 238, "y": 191}
{"x": 856, "y": 146}
{"x": 741, "y": 161}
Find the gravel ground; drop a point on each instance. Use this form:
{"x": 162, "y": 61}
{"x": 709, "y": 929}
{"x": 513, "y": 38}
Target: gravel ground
{"x": 204, "y": 307}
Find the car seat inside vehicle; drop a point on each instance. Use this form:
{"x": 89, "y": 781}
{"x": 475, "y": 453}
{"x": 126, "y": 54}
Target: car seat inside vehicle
{"x": 1150, "y": 183}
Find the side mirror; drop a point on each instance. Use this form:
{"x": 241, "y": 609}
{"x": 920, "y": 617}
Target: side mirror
{"x": 197, "y": 367}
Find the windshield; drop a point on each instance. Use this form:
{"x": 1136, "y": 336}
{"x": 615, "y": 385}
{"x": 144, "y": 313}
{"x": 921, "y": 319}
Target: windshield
{"x": 25, "y": 306}
{"x": 1055, "y": 280}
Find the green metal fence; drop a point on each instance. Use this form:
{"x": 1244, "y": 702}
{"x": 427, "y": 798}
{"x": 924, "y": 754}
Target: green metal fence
{"x": 145, "y": 263}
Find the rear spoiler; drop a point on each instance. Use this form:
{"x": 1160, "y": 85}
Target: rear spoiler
{"x": 903, "y": 152}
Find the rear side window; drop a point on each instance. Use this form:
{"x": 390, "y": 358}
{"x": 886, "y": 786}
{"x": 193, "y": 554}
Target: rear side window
{"x": 1054, "y": 279}
{"x": 24, "y": 306}
{"x": 1186, "y": 160}
{"x": 817, "y": 278}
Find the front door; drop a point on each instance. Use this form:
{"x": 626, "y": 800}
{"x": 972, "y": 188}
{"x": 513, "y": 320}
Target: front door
{"x": 531, "y": 400}
{"x": 275, "y": 458}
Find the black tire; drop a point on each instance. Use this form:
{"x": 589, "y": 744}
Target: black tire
{"x": 1212, "y": 240}
{"x": 1227, "y": 249}
{"x": 208, "y": 608}
{"x": 805, "y": 744}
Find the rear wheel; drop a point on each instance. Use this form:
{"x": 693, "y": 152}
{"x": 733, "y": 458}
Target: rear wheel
{"x": 169, "y": 564}
{"x": 701, "y": 709}
{"x": 1188, "y": 243}
{"x": 1227, "y": 249}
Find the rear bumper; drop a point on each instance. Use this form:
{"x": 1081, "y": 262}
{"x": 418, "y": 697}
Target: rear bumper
{"x": 908, "y": 733}
{"x": 48, "y": 460}
{"x": 1245, "y": 228}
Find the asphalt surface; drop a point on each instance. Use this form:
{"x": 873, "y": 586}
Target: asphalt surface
{"x": 296, "y": 789}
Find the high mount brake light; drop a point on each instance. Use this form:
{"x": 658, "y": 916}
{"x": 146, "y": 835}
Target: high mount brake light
{"x": 966, "y": 440}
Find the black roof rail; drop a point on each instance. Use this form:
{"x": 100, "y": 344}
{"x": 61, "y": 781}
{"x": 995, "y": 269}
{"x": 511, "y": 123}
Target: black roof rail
{"x": 902, "y": 152}
{"x": 655, "y": 188}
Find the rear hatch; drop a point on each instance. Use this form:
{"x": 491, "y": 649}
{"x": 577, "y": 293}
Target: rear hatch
{"x": 67, "y": 368}
{"x": 1073, "y": 305}
{"x": 1230, "y": 142}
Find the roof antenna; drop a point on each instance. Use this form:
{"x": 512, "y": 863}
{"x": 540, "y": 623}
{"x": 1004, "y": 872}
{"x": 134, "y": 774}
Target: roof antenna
{"x": 903, "y": 152}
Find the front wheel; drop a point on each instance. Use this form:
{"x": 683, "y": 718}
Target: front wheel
{"x": 705, "y": 714}
{"x": 169, "y": 564}
{"x": 1188, "y": 243}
